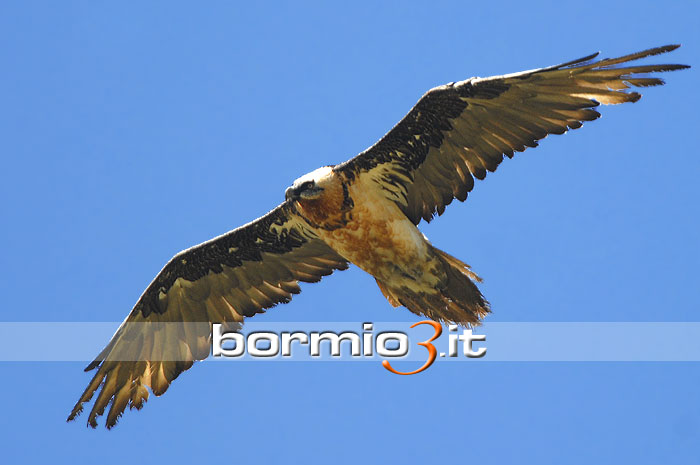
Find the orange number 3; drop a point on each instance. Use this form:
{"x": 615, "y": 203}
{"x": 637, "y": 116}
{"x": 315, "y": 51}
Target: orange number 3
{"x": 432, "y": 352}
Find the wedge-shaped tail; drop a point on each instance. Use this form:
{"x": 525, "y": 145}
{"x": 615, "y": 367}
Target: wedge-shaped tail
{"x": 456, "y": 298}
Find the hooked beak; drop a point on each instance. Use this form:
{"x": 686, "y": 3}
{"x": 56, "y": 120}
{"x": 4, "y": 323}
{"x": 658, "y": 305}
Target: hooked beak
{"x": 290, "y": 194}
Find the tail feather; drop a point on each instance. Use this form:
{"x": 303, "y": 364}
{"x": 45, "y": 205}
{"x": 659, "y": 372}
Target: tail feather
{"x": 456, "y": 299}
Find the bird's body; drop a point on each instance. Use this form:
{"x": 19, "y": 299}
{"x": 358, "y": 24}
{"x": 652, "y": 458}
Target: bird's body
{"x": 369, "y": 232}
{"x": 364, "y": 211}
{"x": 357, "y": 221}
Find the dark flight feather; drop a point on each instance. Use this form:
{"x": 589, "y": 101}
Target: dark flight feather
{"x": 233, "y": 276}
{"x": 471, "y": 124}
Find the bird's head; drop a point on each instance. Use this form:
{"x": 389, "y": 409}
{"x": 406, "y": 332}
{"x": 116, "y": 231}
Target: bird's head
{"x": 311, "y": 185}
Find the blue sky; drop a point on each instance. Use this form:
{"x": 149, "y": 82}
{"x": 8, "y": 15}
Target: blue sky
{"x": 132, "y": 131}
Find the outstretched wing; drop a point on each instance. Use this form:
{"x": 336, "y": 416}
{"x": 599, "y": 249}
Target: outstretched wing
{"x": 459, "y": 131}
{"x": 223, "y": 280}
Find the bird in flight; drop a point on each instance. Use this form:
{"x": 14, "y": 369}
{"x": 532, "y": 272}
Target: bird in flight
{"x": 363, "y": 211}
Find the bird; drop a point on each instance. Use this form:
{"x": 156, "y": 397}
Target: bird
{"x": 364, "y": 211}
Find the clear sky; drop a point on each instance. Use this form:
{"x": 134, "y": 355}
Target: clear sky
{"x": 130, "y": 131}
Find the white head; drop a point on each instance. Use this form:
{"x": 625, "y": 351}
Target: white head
{"x": 311, "y": 185}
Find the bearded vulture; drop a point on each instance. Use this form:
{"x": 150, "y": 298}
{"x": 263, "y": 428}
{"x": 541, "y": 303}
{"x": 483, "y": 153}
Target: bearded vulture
{"x": 363, "y": 211}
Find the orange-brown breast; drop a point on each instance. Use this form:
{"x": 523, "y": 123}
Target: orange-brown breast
{"x": 367, "y": 229}
{"x": 329, "y": 211}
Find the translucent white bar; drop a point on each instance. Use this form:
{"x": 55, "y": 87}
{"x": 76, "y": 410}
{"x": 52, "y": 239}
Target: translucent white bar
{"x": 505, "y": 342}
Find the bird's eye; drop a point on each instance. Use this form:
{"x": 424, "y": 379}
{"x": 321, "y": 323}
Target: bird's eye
{"x": 307, "y": 185}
